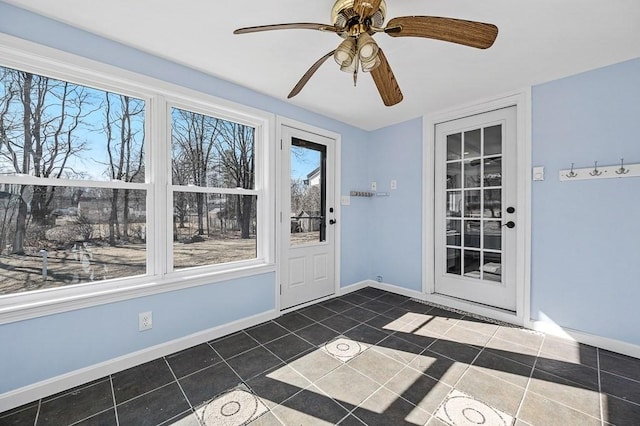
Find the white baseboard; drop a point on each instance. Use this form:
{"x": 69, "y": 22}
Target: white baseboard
{"x": 30, "y": 393}
{"x": 396, "y": 289}
{"x": 355, "y": 287}
{"x": 588, "y": 339}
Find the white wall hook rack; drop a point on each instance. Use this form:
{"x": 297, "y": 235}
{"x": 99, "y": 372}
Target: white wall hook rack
{"x": 601, "y": 172}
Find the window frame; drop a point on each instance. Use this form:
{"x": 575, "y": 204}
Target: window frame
{"x": 159, "y": 97}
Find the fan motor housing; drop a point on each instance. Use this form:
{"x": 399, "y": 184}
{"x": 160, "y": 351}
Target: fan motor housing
{"x": 343, "y": 15}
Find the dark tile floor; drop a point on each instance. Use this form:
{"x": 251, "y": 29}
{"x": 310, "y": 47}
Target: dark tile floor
{"x": 369, "y": 357}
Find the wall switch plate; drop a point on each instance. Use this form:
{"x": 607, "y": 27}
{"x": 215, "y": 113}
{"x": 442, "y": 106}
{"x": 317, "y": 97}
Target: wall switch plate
{"x": 145, "y": 321}
{"x": 394, "y": 184}
{"x": 538, "y": 173}
{"x": 345, "y": 200}
{"x": 374, "y": 186}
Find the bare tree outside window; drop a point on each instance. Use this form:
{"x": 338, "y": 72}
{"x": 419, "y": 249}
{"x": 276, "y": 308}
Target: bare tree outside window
{"x": 211, "y": 154}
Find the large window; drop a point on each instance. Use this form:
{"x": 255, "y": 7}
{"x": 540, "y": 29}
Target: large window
{"x": 72, "y": 192}
{"x": 121, "y": 184}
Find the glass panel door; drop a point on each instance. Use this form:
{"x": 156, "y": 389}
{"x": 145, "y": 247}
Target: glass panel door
{"x": 474, "y": 186}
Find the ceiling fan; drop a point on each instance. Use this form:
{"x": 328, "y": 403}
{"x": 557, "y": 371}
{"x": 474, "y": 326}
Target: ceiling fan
{"x": 358, "y": 20}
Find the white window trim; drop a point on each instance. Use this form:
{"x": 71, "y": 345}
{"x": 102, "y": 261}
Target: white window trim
{"x": 159, "y": 96}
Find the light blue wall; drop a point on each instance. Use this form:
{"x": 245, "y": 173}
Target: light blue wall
{"x": 77, "y": 339}
{"x": 41, "y": 348}
{"x": 586, "y": 234}
{"x": 396, "y": 221}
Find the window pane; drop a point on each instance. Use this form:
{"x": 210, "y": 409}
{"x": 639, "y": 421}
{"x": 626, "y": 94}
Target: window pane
{"x": 472, "y": 233}
{"x": 57, "y": 236}
{"x": 492, "y": 267}
{"x": 472, "y": 143}
{"x": 493, "y": 171}
{"x": 472, "y": 204}
{"x": 454, "y": 203}
{"x": 472, "y": 263}
{"x": 493, "y": 140}
{"x": 492, "y": 203}
{"x": 211, "y": 152}
{"x": 308, "y": 192}
{"x": 211, "y": 229}
{"x": 454, "y": 145}
{"x": 454, "y": 261}
{"x": 68, "y": 130}
{"x": 453, "y": 233}
{"x": 493, "y": 235}
{"x": 472, "y": 174}
{"x": 454, "y": 175}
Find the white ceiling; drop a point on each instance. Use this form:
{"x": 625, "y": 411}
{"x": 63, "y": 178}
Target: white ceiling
{"x": 539, "y": 40}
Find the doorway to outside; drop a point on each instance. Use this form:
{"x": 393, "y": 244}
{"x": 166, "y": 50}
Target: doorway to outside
{"x": 308, "y": 221}
{"x": 475, "y": 214}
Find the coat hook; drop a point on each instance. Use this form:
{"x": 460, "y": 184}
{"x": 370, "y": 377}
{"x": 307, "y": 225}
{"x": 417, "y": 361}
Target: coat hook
{"x": 595, "y": 171}
{"x": 571, "y": 173}
{"x": 622, "y": 170}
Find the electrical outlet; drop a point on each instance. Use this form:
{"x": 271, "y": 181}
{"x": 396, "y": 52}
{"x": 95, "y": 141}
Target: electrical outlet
{"x": 394, "y": 184}
{"x": 145, "y": 321}
{"x": 374, "y": 186}
{"x": 379, "y": 278}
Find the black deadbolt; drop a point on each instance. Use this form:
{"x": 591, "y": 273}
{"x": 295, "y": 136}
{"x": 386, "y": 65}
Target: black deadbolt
{"x": 511, "y": 209}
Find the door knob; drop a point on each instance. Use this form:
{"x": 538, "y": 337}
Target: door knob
{"x": 332, "y": 221}
{"x": 510, "y": 224}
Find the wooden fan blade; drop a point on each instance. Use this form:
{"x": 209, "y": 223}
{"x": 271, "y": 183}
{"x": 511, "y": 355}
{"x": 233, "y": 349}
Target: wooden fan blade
{"x": 386, "y": 82}
{"x": 366, "y": 8}
{"x": 294, "y": 26}
{"x": 468, "y": 33}
{"x": 305, "y": 78}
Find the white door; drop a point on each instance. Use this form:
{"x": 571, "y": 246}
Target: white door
{"x": 308, "y": 217}
{"x": 475, "y": 216}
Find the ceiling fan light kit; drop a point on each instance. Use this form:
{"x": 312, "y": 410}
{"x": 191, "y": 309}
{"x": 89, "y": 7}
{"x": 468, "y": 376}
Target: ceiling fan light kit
{"x": 358, "y": 20}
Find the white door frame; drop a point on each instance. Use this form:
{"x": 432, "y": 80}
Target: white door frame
{"x": 522, "y": 101}
{"x": 280, "y": 222}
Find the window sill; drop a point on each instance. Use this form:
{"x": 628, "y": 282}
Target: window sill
{"x": 24, "y": 306}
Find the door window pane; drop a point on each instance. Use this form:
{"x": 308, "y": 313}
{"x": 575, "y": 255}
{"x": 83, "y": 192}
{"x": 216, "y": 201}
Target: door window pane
{"x": 472, "y": 173}
{"x": 492, "y": 267}
{"x": 472, "y": 203}
{"x": 472, "y": 233}
{"x": 472, "y": 143}
{"x": 453, "y": 233}
{"x": 493, "y": 171}
{"x": 492, "y": 235}
{"x": 472, "y": 263}
{"x": 454, "y": 175}
{"x": 492, "y": 203}
{"x": 454, "y": 261}
{"x": 493, "y": 140}
{"x": 308, "y": 192}
{"x": 454, "y": 203}
{"x": 454, "y": 146}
